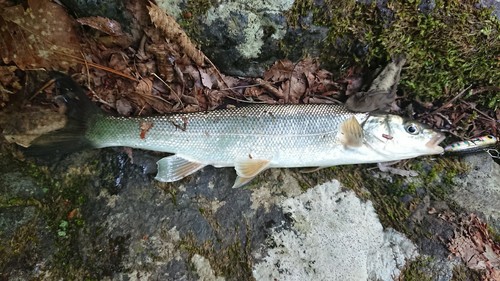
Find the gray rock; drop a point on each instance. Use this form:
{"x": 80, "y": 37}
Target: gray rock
{"x": 26, "y": 242}
{"x": 492, "y": 4}
{"x": 478, "y": 190}
{"x": 332, "y": 236}
{"x": 244, "y": 37}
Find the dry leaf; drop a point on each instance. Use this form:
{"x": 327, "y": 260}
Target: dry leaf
{"x": 39, "y": 36}
{"x": 144, "y": 87}
{"x": 280, "y": 71}
{"x": 206, "y": 79}
{"x": 293, "y": 89}
{"x": 473, "y": 244}
{"x": 23, "y": 127}
{"x": 108, "y": 26}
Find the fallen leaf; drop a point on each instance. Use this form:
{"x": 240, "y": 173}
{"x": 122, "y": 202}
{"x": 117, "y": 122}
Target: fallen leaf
{"x": 473, "y": 244}
{"x": 43, "y": 35}
{"x": 279, "y": 71}
{"x": 123, "y": 107}
{"x": 206, "y": 79}
{"x": 108, "y": 26}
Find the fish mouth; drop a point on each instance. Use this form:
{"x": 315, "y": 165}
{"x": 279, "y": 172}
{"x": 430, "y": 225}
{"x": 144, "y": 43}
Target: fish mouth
{"x": 434, "y": 142}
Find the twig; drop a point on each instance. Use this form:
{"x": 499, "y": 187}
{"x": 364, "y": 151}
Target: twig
{"x": 268, "y": 86}
{"x": 444, "y": 117}
{"x": 219, "y": 74}
{"x": 246, "y": 101}
{"x": 98, "y": 66}
{"x": 480, "y": 112}
{"x": 171, "y": 89}
{"x": 241, "y": 87}
{"x": 44, "y": 86}
{"x": 452, "y": 100}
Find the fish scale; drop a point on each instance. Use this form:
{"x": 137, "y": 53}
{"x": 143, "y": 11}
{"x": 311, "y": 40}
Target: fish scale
{"x": 286, "y": 134}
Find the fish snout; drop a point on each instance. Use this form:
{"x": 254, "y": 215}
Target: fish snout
{"x": 434, "y": 142}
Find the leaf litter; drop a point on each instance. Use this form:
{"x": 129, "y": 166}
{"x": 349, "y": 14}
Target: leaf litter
{"x": 473, "y": 243}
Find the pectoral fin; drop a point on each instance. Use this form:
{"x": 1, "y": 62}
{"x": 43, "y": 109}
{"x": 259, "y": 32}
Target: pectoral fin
{"x": 174, "y": 168}
{"x": 248, "y": 169}
{"x": 351, "y": 133}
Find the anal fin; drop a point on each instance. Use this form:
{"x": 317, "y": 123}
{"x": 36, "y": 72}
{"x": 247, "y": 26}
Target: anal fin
{"x": 174, "y": 168}
{"x": 248, "y": 169}
{"x": 240, "y": 181}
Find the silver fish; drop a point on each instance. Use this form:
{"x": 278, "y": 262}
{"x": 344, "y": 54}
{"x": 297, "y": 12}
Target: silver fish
{"x": 255, "y": 138}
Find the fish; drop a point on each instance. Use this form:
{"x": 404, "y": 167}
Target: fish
{"x": 251, "y": 138}
{"x": 473, "y": 145}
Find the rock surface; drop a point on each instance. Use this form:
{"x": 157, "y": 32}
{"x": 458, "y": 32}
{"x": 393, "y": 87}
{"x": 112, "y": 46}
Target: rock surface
{"x": 478, "y": 191}
{"x": 332, "y": 235}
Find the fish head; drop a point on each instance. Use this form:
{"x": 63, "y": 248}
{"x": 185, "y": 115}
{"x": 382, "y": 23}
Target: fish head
{"x": 401, "y": 138}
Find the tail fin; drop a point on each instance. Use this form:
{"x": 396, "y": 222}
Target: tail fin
{"x": 80, "y": 112}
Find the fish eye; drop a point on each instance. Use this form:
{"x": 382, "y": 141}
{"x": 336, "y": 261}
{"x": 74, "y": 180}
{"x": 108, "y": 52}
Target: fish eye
{"x": 412, "y": 129}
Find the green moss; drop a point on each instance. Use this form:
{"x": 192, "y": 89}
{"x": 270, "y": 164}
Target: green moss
{"x": 417, "y": 270}
{"x": 462, "y": 273}
{"x": 169, "y": 188}
{"x": 22, "y": 248}
{"x": 494, "y": 235}
{"x": 18, "y": 202}
{"x": 448, "y": 49}
{"x": 67, "y": 191}
{"x": 199, "y": 7}
{"x": 194, "y": 10}
{"x": 233, "y": 260}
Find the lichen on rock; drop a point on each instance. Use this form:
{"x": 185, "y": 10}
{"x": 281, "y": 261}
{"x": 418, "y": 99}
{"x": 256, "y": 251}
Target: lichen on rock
{"x": 332, "y": 235}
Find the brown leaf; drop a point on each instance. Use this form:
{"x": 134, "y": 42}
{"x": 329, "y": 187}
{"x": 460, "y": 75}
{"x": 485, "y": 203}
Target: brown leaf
{"x": 206, "y": 79}
{"x": 108, "y": 26}
{"x": 293, "y": 89}
{"x": 253, "y": 92}
{"x": 39, "y": 36}
{"x": 145, "y": 86}
{"x": 280, "y": 71}
{"x": 473, "y": 244}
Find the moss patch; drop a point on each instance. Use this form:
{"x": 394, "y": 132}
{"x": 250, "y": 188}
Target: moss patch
{"x": 448, "y": 48}
{"x": 417, "y": 270}
{"x": 233, "y": 261}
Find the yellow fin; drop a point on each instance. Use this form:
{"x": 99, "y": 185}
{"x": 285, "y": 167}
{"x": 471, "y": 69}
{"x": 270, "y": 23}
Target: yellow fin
{"x": 174, "y": 168}
{"x": 249, "y": 168}
{"x": 351, "y": 133}
{"x": 240, "y": 181}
